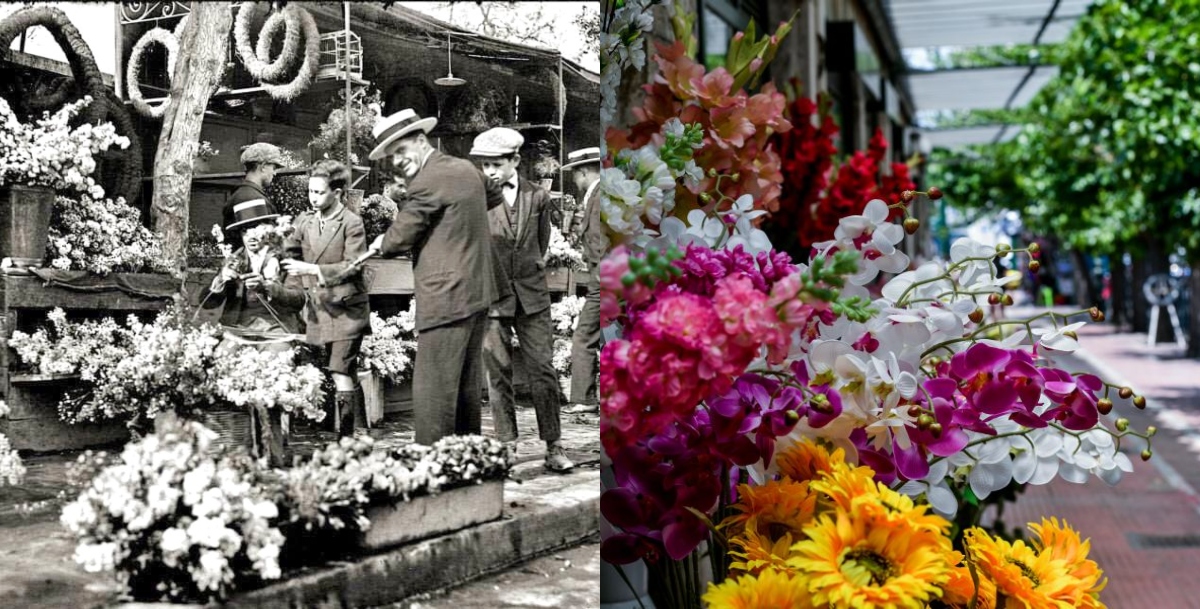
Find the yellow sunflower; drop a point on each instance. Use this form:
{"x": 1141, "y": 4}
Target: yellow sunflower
{"x": 808, "y": 460}
{"x": 1035, "y": 579}
{"x": 961, "y": 588}
{"x": 1062, "y": 542}
{"x": 769, "y": 590}
{"x": 855, "y": 490}
{"x": 852, "y": 563}
{"x": 752, "y": 553}
{"x": 775, "y": 508}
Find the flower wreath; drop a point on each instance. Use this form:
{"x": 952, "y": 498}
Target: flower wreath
{"x": 169, "y": 40}
{"x": 83, "y": 64}
{"x": 171, "y": 43}
{"x": 256, "y": 61}
{"x": 296, "y": 20}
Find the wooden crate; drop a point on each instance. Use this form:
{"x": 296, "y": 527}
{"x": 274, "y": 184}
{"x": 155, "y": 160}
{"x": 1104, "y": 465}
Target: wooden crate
{"x": 432, "y": 515}
{"x": 33, "y": 423}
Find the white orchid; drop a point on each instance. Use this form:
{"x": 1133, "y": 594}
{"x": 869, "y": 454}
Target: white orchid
{"x": 1059, "y": 339}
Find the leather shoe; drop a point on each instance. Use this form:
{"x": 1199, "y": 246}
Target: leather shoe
{"x": 556, "y": 458}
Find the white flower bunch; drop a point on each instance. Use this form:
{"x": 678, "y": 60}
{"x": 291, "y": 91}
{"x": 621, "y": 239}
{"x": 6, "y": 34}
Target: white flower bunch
{"x": 177, "y": 521}
{"x": 564, "y": 315}
{"x": 622, "y": 46}
{"x": 561, "y": 254}
{"x": 102, "y": 236}
{"x": 561, "y": 358}
{"x": 248, "y": 377}
{"x": 390, "y": 350}
{"x": 71, "y": 347}
{"x": 51, "y": 153}
{"x": 272, "y": 234}
{"x": 12, "y": 471}
{"x": 639, "y": 189}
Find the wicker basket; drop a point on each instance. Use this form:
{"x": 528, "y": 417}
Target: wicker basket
{"x": 233, "y": 427}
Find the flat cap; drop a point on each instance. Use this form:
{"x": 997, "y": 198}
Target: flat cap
{"x": 262, "y": 152}
{"x": 499, "y": 141}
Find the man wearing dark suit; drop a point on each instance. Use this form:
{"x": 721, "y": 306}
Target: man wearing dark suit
{"x": 520, "y": 237}
{"x": 585, "y": 343}
{"x": 260, "y": 161}
{"x": 444, "y": 224}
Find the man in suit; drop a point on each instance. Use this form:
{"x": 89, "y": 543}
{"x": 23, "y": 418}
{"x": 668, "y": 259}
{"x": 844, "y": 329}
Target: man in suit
{"x": 260, "y": 161}
{"x": 585, "y": 343}
{"x": 520, "y": 237}
{"x": 444, "y": 224}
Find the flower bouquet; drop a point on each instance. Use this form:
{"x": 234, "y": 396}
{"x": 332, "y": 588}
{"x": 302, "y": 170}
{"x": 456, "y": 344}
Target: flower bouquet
{"x": 12, "y": 470}
{"x": 50, "y": 152}
{"x": 176, "y": 520}
{"x": 102, "y": 236}
{"x": 564, "y": 315}
{"x": 377, "y": 213}
{"x": 390, "y": 350}
{"x": 560, "y": 254}
{"x": 793, "y": 437}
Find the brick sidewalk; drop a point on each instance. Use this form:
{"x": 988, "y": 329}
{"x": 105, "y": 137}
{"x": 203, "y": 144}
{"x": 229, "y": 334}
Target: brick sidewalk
{"x": 1145, "y": 532}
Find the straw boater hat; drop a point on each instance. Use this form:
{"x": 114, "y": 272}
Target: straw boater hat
{"x": 582, "y": 156}
{"x": 396, "y": 126}
{"x": 250, "y": 212}
{"x": 497, "y": 142}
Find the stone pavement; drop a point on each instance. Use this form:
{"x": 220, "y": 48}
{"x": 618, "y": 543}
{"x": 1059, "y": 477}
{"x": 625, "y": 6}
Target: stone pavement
{"x": 543, "y": 513}
{"x": 1145, "y": 531}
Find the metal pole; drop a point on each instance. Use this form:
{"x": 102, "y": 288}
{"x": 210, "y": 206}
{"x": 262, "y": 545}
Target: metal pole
{"x": 346, "y": 58}
{"x": 561, "y": 96}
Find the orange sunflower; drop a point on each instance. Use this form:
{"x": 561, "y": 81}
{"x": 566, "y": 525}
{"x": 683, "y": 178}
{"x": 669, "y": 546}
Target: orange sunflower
{"x": 854, "y": 489}
{"x": 961, "y": 588}
{"x": 768, "y": 590}
{"x": 854, "y": 563}
{"x": 752, "y": 553}
{"x": 808, "y": 460}
{"x": 772, "y": 509}
{"x": 1062, "y": 542}
{"x": 1037, "y": 579}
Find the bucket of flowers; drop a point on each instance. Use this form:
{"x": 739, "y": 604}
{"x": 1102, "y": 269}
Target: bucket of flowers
{"x": 37, "y": 160}
{"x": 386, "y": 359}
{"x": 562, "y": 261}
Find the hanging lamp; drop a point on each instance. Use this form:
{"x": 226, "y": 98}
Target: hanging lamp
{"x": 449, "y": 80}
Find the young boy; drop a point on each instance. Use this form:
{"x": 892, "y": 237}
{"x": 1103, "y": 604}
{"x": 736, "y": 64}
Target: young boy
{"x": 329, "y": 239}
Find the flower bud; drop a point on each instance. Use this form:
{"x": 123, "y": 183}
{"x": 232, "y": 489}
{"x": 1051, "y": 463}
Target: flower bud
{"x": 1003, "y": 248}
{"x": 1146, "y": 454}
{"x": 1034, "y": 265}
{"x": 1034, "y": 248}
{"x": 1072, "y": 334}
{"x": 936, "y": 429}
{"x": 915, "y": 411}
{"x": 712, "y": 173}
{"x": 935, "y": 193}
{"x": 1104, "y": 405}
{"x": 911, "y": 225}
{"x": 628, "y": 279}
{"x": 924, "y": 421}
{"x": 1006, "y": 300}
{"x": 737, "y": 175}
{"x": 1122, "y": 424}
{"x": 1140, "y": 402}
{"x": 1125, "y": 393}
{"x": 976, "y": 315}
{"x": 907, "y": 196}
{"x": 1095, "y": 313}
{"x": 993, "y": 299}
{"x": 704, "y": 196}
{"x": 1150, "y": 431}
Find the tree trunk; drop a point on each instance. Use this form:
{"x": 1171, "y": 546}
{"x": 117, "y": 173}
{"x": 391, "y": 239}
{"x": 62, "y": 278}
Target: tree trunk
{"x": 1141, "y": 319}
{"x": 1085, "y": 289}
{"x": 1118, "y": 289}
{"x": 1193, "y": 312}
{"x": 198, "y": 71}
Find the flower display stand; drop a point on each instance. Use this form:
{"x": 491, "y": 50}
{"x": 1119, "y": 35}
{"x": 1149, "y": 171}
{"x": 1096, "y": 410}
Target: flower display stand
{"x": 560, "y": 279}
{"x": 33, "y": 423}
{"x": 388, "y": 276}
{"x": 432, "y": 515}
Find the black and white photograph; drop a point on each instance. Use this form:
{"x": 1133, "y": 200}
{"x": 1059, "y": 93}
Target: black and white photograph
{"x": 300, "y": 304}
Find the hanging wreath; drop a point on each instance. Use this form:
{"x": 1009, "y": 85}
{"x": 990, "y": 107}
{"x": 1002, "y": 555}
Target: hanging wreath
{"x": 128, "y": 182}
{"x": 289, "y": 22}
{"x": 312, "y": 61}
{"x": 171, "y": 44}
{"x": 79, "y": 54}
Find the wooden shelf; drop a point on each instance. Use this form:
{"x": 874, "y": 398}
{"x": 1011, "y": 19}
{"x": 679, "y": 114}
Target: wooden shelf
{"x": 233, "y": 178}
{"x": 318, "y": 86}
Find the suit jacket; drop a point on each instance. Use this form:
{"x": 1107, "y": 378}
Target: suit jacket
{"x": 338, "y": 304}
{"x": 444, "y": 223}
{"x": 228, "y": 306}
{"x": 595, "y": 237}
{"x": 519, "y": 252}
